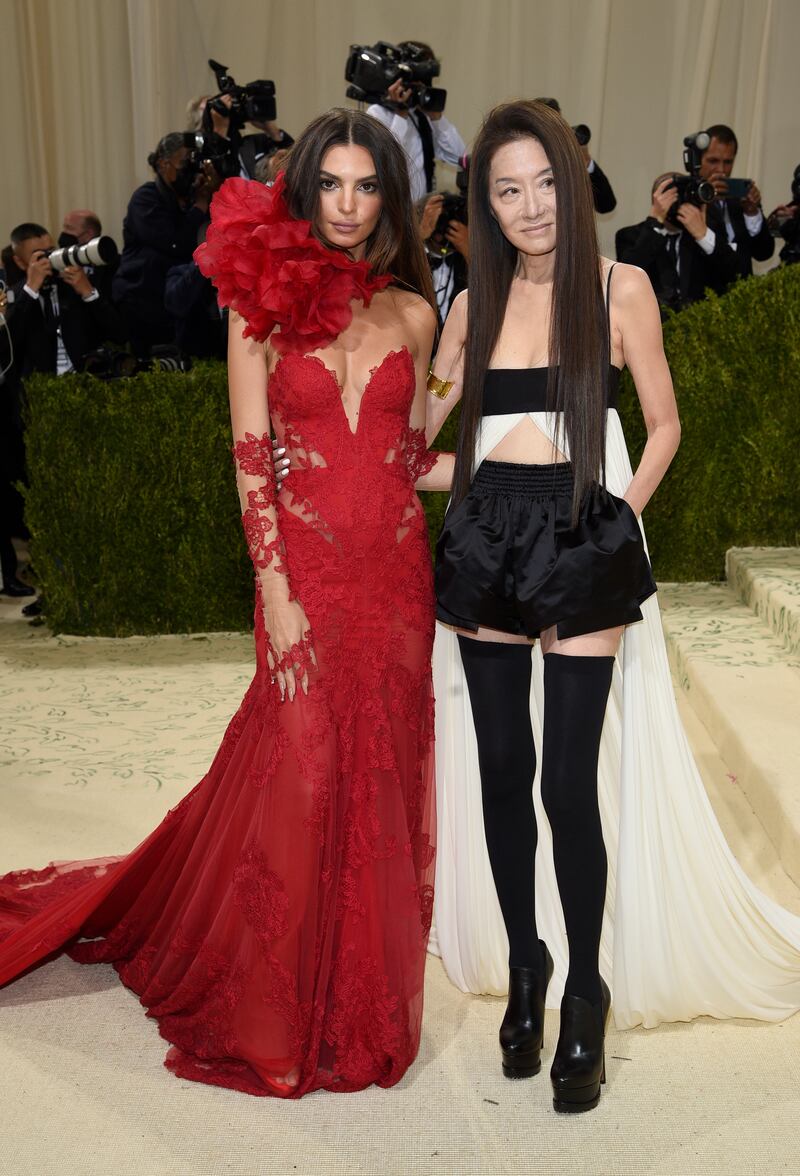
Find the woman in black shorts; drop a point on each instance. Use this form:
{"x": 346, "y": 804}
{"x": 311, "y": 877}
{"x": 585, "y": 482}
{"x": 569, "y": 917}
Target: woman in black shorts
{"x": 535, "y": 547}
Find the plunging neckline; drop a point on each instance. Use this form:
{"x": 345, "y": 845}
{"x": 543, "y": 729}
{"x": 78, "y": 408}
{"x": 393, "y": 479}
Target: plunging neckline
{"x": 373, "y": 372}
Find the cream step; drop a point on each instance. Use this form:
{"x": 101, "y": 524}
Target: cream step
{"x": 745, "y": 687}
{"x": 767, "y": 580}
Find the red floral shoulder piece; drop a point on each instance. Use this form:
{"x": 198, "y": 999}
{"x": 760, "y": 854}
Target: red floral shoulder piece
{"x": 272, "y": 270}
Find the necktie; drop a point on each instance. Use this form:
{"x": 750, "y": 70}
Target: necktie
{"x": 426, "y": 135}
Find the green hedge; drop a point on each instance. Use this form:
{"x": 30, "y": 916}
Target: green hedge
{"x": 132, "y": 504}
{"x": 134, "y": 515}
{"x": 735, "y": 363}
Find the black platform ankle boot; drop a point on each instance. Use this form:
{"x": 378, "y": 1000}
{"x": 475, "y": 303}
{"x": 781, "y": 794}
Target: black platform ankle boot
{"x": 579, "y": 1065}
{"x": 522, "y": 1030}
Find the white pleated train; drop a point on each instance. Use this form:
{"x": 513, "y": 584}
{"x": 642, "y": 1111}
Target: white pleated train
{"x": 686, "y": 933}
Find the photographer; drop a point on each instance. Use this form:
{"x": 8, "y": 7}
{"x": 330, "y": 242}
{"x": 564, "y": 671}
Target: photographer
{"x": 200, "y": 326}
{"x": 12, "y": 453}
{"x": 739, "y": 217}
{"x": 250, "y": 150}
{"x": 602, "y": 192}
{"x": 423, "y": 137}
{"x": 56, "y": 318}
{"x": 446, "y": 240}
{"x": 160, "y": 231}
{"x": 784, "y": 222}
{"x": 679, "y": 252}
{"x": 78, "y": 228}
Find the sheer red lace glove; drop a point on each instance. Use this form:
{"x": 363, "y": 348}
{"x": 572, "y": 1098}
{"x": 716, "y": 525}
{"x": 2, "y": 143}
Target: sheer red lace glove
{"x": 253, "y": 459}
{"x": 419, "y": 458}
{"x": 290, "y": 654}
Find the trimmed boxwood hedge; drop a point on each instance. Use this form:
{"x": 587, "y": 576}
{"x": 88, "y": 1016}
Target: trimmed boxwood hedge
{"x": 132, "y": 504}
{"x": 735, "y": 480}
{"x": 134, "y": 516}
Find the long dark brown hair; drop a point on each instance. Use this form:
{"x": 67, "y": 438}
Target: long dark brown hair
{"x": 578, "y": 330}
{"x": 395, "y": 245}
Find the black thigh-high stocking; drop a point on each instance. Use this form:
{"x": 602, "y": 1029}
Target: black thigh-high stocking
{"x": 575, "y": 696}
{"x": 499, "y": 682}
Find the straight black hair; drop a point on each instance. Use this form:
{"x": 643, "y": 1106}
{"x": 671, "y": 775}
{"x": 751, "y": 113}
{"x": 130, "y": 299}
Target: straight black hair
{"x": 25, "y": 232}
{"x": 578, "y": 330}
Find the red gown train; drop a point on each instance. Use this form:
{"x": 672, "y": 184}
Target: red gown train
{"x": 275, "y": 923}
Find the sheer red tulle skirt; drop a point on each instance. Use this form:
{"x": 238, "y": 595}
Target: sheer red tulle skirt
{"x": 275, "y": 923}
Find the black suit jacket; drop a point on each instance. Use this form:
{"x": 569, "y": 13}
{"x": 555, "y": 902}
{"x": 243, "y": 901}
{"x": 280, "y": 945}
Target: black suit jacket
{"x": 157, "y": 234}
{"x": 760, "y": 247}
{"x": 84, "y": 326}
{"x": 642, "y": 245}
{"x": 200, "y": 329}
{"x": 603, "y": 193}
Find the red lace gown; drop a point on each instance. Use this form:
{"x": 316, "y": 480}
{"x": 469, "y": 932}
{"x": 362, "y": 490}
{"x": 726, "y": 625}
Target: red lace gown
{"x": 275, "y": 923}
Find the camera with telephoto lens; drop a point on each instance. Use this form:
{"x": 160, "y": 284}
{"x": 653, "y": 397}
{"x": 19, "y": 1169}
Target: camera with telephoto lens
{"x": 691, "y": 189}
{"x": 98, "y": 251}
{"x": 254, "y": 102}
{"x": 207, "y": 147}
{"x": 372, "y": 69}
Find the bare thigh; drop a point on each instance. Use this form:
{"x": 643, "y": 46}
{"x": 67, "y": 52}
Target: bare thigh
{"x": 499, "y": 635}
{"x": 604, "y": 643}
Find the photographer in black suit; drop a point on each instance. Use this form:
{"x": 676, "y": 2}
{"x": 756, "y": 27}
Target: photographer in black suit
{"x": 250, "y": 149}
{"x": 56, "y": 318}
{"x": 784, "y": 221}
{"x": 739, "y": 217}
{"x": 12, "y": 456}
{"x": 681, "y": 247}
{"x": 447, "y": 250}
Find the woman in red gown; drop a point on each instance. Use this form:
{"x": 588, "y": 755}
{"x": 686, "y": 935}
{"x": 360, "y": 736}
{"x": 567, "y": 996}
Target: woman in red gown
{"x": 275, "y": 923}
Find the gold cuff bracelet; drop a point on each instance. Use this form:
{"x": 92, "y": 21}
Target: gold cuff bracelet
{"x": 439, "y": 387}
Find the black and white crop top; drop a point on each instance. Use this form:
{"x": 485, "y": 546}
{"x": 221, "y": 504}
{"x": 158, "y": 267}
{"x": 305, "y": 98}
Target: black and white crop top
{"x": 512, "y": 390}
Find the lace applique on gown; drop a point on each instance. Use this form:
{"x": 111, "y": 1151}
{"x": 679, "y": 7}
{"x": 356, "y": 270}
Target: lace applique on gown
{"x": 275, "y": 923}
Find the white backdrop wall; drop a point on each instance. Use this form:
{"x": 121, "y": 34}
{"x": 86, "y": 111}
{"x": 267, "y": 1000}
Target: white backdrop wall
{"x": 89, "y": 86}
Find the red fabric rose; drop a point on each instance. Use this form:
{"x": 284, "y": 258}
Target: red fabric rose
{"x": 273, "y": 271}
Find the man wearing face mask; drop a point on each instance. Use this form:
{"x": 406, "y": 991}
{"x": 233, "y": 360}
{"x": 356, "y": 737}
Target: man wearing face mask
{"x": 160, "y": 231}
{"x": 80, "y": 226}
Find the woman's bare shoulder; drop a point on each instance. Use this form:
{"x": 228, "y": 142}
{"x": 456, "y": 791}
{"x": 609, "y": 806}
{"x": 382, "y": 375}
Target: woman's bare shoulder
{"x": 418, "y": 315}
{"x": 628, "y": 281}
{"x": 408, "y": 302}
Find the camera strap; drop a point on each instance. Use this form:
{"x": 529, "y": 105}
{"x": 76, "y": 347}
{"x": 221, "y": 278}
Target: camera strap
{"x": 426, "y": 135}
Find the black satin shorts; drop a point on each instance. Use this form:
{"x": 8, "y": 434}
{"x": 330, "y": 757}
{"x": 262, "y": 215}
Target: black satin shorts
{"x": 509, "y": 558}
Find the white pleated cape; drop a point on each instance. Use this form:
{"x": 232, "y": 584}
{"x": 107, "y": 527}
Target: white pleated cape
{"x": 686, "y": 933}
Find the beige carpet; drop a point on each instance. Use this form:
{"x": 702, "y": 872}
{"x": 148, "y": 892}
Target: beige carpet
{"x": 97, "y": 740}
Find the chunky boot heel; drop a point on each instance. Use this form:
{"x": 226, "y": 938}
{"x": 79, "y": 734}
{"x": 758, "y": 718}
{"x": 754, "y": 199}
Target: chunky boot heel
{"x": 522, "y": 1030}
{"x": 579, "y": 1065}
